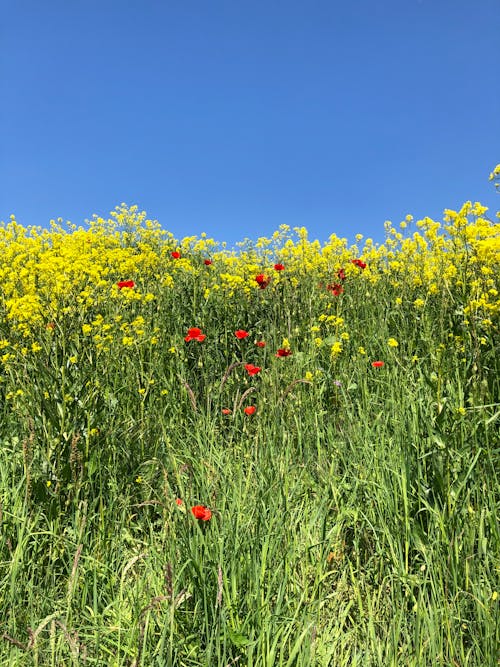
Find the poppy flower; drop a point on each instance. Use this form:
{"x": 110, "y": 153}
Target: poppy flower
{"x": 336, "y": 289}
{"x": 260, "y": 343}
{"x": 194, "y": 334}
{"x": 341, "y": 274}
{"x": 262, "y": 280}
{"x": 250, "y": 410}
{"x": 126, "y": 283}
{"x": 378, "y": 364}
{"x": 359, "y": 263}
{"x": 283, "y": 352}
{"x": 226, "y": 411}
{"x": 178, "y": 502}
{"x": 240, "y": 334}
{"x": 201, "y": 512}
{"x": 279, "y": 267}
{"x": 252, "y": 370}
{"x": 207, "y": 262}
{"x": 175, "y": 254}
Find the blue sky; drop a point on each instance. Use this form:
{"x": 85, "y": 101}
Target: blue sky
{"x": 234, "y": 117}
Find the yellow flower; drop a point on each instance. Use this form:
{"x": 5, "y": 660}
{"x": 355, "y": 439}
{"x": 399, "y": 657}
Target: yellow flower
{"x": 336, "y": 349}
{"x": 361, "y": 350}
{"x": 309, "y": 376}
{"x": 392, "y": 342}
{"x": 73, "y": 359}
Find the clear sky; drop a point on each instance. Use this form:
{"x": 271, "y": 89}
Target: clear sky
{"x": 233, "y": 117}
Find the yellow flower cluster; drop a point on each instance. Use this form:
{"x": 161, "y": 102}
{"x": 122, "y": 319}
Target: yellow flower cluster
{"x": 48, "y": 276}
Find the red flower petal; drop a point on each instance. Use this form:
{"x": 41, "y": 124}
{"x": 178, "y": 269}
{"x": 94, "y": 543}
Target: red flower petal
{"x": 194, "y": 334}
{"x": 126, "y": 283}
{"x": 260, "y": 343}
{"x": 279, "y": 267}
{"x": 175, "y": 254}
{"x": 250, "y": 410}
{"x": 252, "y": 370}
{"x": 283, "y": 353}
{"x": 201, "y": 512}
{"x": 378, "y": 364}
{"x": 241, "y": 333}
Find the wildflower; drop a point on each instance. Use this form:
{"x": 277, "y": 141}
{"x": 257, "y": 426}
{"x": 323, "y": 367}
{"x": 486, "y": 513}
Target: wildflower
{"x": 226, "y": 411}
{"x": 50, "y": 326}
{"x": 194, "y": 334}
{"x": 260, "y": 343}
{"x": 341, "y": 274}
{"x": 175, "y": 254}
{"x": 392, "y": 342}
{"x": 178, "y": 502}
{"x": 262, "y": 280}
{"x": 250, "y": 410}
{"x": 240, "y": 334}
{"x": 283, "y": 352}
{"x": 125, "y": 283}
{"x": 335, "y": 288}
{"x": 207, "y": 262}
{"x": 358, "y": 263}
{"x": 337, "y": 383}
{"x": 378, "y": 364}
{"x": 201, "y": 512}
{"x": 252, "y": 370}
{"x": 279, "y": 267}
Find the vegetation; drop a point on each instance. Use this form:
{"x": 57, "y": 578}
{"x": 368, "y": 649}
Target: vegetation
{"x": 285, "y": 454}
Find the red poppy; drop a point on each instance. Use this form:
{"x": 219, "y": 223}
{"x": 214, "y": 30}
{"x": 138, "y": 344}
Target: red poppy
{"x": 335, "y": 288}
{"x": 226, "y": 411}
{"x": 283, "y": 352}
{"x": 175, "y": 254}
{"x": 279, "y": 267}
{"x": 262, "y": 280}
{"x": 201, "y": 512}
{"x": 250, "y": 410}
{"x": 252, "y": 370}
{"x": 178, "y": 502}
{"x": 260, "y": 343}
{"x": 126, "y": 283}
{"x": 207, "y": 262}
{"x": 359, "y": 263}
{"x": 378, "y": 364}
{"x": 194, "y": 334}
{"x": 341, "y": 274}
{"x": 241, "y": 333}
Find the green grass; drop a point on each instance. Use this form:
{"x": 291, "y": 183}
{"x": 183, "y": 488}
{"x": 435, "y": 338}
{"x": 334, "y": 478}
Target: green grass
{"x": 352, "y": 525}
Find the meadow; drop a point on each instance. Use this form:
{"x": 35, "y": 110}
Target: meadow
{"x": 285, "y": 454}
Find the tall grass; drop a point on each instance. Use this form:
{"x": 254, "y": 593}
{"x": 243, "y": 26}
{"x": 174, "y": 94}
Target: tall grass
{"x": 354, "y": 514}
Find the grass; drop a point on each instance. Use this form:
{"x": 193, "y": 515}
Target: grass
{"x": 354, "y": 515}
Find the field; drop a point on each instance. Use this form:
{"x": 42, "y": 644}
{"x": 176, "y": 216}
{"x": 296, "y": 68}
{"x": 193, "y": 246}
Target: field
{"x": 281, "y": 455}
